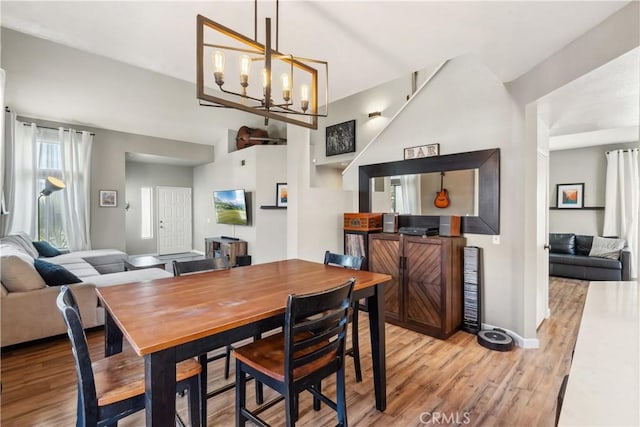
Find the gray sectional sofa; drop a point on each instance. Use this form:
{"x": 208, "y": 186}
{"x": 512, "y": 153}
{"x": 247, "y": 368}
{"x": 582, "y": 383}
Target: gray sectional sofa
{"x": 573, "y": 256}
{"x": 28, "y": 305}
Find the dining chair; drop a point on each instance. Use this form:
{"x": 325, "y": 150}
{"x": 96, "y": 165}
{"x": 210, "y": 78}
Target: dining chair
{"x": 114, "y": 387}
{"x": 310, "y": 348}
{"x": 181, "y": 268}
{"x": 354, "y": 263}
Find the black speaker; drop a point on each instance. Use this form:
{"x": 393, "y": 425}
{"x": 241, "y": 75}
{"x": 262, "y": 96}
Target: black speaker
{"x": 243, "y": 260}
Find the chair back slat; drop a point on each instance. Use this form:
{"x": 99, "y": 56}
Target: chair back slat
{"x": 315, "y": 325}
{"x": 88, "y": 408}
{"x": 181, "y": 268}
{"x": 347, "y": 261}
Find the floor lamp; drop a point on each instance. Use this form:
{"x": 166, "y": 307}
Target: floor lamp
{"x": 51, "y": 184}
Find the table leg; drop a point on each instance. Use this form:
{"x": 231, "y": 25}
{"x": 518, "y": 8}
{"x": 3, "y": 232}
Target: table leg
{"x": 378, "y": 346}
{"x": 112, "y": 336}
{"x": 203, "y": 389}
{"x": 160, "y": 388}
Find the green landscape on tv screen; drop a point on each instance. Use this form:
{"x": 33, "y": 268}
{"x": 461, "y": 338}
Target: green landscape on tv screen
{"x": 231, "y": 207}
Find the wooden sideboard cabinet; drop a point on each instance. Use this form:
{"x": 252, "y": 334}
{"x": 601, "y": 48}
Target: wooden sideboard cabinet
{"x": 425, "y": 293}
{"x": 219, "y": 246}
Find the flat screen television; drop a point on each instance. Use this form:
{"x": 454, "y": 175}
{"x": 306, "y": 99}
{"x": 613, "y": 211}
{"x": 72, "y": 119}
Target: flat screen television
{"x": 231, "y": 207}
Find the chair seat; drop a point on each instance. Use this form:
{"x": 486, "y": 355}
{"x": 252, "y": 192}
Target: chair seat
{"x": 121, "y": 376}
{"x": 267, "y": 356}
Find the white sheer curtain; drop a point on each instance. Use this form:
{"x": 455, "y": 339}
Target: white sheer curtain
{"x": 22, "y": 197}
{"x": 411, "y": 200}
{"x": 622, "y": 200}
{"x": 76, "y": 174}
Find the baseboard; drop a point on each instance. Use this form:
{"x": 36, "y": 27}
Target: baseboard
{"x": 517, "y": 339}
{"x": 197, "y": 252}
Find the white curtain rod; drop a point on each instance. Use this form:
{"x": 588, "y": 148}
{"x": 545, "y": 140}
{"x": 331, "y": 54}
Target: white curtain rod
{"x": 47, "y": 127}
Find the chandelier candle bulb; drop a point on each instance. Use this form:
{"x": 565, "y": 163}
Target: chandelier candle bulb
{"x": 304, "y": 97}
{"x": 218, "y": 67}
{"x": 245, "y": 64}
{"x": 286, "y": 87}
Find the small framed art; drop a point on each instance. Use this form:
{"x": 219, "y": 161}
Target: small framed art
{"x": 570, "y": 196}
{"x": 108, "y": 198}
{"x": 282, "y": 194}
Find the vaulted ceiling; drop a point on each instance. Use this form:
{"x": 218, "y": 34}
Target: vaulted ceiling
{"x": 365, "y": 43}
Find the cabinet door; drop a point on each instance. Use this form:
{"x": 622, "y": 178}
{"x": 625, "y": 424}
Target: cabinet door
{"x": 384, "y": 257}
{"x": 423, "y": 272}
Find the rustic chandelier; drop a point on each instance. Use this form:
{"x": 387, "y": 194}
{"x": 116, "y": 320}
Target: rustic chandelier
{"x": 253, "y": 90}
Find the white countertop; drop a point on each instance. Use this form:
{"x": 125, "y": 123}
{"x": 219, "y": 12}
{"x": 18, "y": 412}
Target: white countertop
{"x": 603, "y": 387}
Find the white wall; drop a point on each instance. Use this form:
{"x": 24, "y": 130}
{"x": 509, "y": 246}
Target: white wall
{"x": 315, "y": 215}
{"x": 140, "y": 175}
{"x": 615, "y": 36}
{"x": 387, "y": 98}
{"x": 466, "y": 108}
{"x": 587, "y": 165}
{"x": 264, "y": 166}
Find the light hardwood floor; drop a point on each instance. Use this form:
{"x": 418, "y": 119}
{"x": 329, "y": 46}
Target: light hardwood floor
{"x": 456, "y": 380}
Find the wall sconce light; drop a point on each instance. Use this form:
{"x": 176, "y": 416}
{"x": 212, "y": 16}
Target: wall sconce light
{"x": 375, "y": 114}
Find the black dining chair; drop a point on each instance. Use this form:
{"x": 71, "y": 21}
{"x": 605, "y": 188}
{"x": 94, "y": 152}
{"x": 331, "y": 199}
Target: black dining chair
{"x": 310, "y": 348}
{"x": 354, "y": 263}
{"x": 181, "y": 268}
{"x": 113, "y": 388}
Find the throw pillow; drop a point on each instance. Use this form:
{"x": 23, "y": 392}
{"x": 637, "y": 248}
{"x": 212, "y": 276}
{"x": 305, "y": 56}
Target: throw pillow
{"x": 607, "y": 248}
{"x": 45, "y": 249}
{"x": 54, "y": 274}
{"x": 18, "y": 274}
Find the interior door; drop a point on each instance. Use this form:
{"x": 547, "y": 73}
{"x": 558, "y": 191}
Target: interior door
{"x": 542, "y": 237}
{"x": 174, "y": 220}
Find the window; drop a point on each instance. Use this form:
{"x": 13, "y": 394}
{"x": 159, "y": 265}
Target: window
{"x": 50, "y": 208}
{"x": 146, "y": 213}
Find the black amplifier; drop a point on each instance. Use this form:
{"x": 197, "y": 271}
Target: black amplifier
{"x": 419, "y": 231}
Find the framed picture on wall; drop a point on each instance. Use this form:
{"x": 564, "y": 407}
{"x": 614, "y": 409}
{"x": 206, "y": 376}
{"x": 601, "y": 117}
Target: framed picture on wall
{"x": 108, "y": 198}
{"x": 341, "y": 138}
{"x": 282, "y": 194}
{"x": 570, "y": 196}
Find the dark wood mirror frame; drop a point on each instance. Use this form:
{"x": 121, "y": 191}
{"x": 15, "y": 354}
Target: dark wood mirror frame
{"x": 487, "y": 161}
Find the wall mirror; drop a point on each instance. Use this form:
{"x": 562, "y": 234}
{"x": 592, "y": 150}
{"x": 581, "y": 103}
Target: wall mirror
{"x": 409, "y": 187}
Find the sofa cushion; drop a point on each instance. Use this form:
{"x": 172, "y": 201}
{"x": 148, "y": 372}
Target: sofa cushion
{"x": 21, "y": 242}
{"x": 583, "y": 244}
{"x": 606, "y": 248}
{"x": 77, "y": 266}
{"x": 585, "y": 261}
{"x": 128, "y": 277}
{"x": 54, "y": 274}
{"x": 104, "y": 261}
{"x": 562, "y": 243}
{"x": 45, "y": 249}
{"x": 18, "y": 274}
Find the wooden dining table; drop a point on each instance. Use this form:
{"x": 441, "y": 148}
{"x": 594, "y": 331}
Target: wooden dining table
{"x": 169, "y": 320}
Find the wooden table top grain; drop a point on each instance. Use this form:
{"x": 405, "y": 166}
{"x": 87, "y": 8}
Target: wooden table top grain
{"x": 159, "y": 314}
